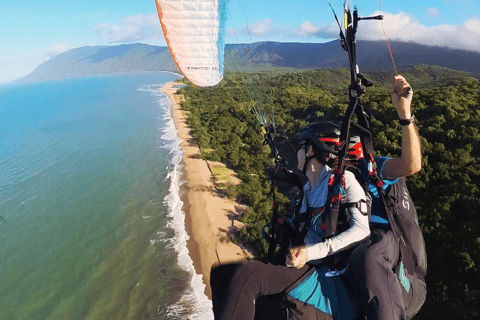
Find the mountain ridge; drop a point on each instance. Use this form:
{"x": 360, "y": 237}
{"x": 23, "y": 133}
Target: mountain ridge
{"x": 138, "y": 57}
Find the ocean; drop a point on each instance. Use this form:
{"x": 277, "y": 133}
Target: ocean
{"x": 91, "y": 221}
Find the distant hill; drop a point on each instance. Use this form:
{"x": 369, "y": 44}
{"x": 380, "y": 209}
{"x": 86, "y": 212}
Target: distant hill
{"x": 86, "y": 61}
{"x": 261, "y": 55}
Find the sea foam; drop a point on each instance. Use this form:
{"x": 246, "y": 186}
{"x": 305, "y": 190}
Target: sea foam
{"x": 194, "y": 304}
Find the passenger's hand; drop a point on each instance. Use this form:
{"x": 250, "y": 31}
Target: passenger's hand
{"x": 297, "y": 257}
{"x": 402, "y": 97}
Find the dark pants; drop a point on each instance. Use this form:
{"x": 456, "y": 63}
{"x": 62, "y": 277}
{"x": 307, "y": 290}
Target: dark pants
{"x": 235, "y": 287}
{"x": 374, "y": 269}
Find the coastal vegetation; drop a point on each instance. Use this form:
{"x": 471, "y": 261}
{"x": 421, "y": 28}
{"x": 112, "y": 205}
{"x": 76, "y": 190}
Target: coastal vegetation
{"x": 446, "y": 192}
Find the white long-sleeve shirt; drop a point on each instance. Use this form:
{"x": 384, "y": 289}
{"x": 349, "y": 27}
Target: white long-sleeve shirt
{"x": 315, "y": 197}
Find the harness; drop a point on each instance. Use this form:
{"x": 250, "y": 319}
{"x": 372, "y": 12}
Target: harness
{"x": 336, "y": 186}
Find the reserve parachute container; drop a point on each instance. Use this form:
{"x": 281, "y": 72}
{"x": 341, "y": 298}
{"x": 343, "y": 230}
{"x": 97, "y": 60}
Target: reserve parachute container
{"x": 195, "y": 34}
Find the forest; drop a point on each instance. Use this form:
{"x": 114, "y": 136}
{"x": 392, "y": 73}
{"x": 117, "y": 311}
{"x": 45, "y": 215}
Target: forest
{"x": 446, "y": 192}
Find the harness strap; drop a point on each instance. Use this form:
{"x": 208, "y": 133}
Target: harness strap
{"x": 359, "y": 205}
{"x": 273, "y": 239}
{"x": 310, "y": 213}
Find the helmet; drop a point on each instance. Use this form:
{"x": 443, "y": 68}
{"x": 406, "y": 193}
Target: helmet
{"x": 324, "y": 135}
{"x": 355, "y": 149}
{"x": 321, "y": 134}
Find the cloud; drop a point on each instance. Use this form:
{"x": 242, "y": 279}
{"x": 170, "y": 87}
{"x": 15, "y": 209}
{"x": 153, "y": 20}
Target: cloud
{"x": 266, "y": 29}
{"x": 131, "y": 29}
{"x": 434, "y": 12}
{"x": 473, "y": 26}
{"x": 309, "y": 30}
{"x": 262, "y": 29}
{"x": 406, "y": 28}
{"x": 54, "y": 51}
{"x": 398, "y": 27}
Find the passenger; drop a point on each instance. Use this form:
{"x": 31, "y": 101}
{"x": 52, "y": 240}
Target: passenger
{"x": 235, "y": 287}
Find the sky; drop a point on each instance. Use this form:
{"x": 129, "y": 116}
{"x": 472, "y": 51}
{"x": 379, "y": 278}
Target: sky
{"x": 33, "y": 32}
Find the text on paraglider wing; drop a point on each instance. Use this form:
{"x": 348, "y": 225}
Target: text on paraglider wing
{"x": 203, "y": 68}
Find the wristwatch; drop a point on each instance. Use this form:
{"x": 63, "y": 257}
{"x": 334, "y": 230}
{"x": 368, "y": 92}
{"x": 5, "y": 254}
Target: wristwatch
{"x": 406, "y": 122}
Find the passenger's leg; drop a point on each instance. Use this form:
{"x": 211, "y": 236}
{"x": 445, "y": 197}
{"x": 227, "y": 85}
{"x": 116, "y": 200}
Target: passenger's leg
{"x": 220, "y": 278}
{"x": 234, "y": 295}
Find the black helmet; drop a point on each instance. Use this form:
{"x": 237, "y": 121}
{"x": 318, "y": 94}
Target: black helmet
{"x": 321, "y": 134}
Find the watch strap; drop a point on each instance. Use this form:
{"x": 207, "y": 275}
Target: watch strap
{"x": 406, "y": 122}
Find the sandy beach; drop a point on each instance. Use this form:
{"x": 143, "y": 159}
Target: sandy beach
{"x": 207, "y": 213}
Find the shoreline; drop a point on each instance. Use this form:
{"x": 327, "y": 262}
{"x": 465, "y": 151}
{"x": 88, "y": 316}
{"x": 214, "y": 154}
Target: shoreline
{"x": 206, "y": 212}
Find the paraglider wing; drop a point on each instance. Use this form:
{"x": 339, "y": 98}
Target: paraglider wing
{"x": 194, "y": 31}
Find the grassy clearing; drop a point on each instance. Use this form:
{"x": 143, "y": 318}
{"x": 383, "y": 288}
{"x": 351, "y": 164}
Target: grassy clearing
{"x": 224, "y": 178}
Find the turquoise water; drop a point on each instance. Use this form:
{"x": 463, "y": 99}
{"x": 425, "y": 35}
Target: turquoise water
{"x": 89, "y": 183}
